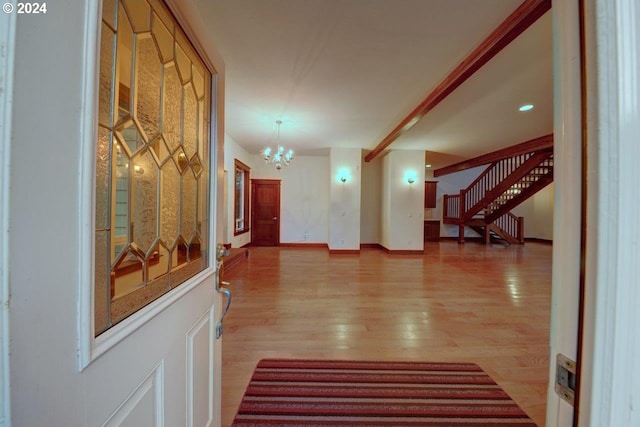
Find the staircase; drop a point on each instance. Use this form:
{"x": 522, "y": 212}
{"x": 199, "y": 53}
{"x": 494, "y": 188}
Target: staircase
{"x": 485, "y": 205}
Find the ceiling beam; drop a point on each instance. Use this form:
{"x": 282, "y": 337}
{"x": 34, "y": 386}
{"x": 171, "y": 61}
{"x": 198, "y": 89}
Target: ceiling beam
{"x": 536, "y": 144}
{"x": 521, "y": 19}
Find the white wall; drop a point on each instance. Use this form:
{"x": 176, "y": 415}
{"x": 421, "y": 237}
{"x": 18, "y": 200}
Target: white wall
{"x": 234, "y": 151}
{"x": 538, "y": 214}
{"x": 345, "y": 198}
{"x": 543, "y": 205}
{"x": 304, "y": 199}
{"x": 371, "y": 192}
{"x": 403, "y": 203}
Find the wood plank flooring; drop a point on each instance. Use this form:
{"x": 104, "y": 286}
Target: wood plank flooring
{"x": 456, "y": 303}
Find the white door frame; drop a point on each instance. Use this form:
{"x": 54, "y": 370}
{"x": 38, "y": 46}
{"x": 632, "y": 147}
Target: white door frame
{"x": 7, "y": 48}
{"x": 611, "y": 347}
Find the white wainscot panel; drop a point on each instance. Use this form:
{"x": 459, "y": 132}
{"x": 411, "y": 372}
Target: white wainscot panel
{"x": 200, "y": 371}
{"x": 145, "y": 406}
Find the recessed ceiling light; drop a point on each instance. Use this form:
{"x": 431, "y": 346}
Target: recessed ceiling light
{"x": 526, "y": 107}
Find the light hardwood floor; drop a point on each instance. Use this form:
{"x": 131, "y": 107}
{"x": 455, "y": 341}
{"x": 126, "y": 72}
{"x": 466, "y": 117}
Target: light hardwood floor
{"x": 456, "y": 303}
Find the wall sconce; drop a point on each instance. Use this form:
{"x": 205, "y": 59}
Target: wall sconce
{"x": 410, "y": 176}
{"x": 343, "y": 175}
{"x": 138, "y": 170}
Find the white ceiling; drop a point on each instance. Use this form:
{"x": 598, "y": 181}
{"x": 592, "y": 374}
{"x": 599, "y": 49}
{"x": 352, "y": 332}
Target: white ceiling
{"x": 344, "y": 73}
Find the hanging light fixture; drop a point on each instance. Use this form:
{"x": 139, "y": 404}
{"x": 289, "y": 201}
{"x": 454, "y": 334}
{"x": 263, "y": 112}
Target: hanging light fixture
{"x": 279, "y": 157}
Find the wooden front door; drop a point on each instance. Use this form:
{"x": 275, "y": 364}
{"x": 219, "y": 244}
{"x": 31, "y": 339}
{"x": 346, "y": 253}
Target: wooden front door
{"x": 265, "y": 212}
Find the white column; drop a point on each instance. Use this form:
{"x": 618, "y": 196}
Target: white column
{"x": 402, "y": 222}
{"x": 344, "y": 207}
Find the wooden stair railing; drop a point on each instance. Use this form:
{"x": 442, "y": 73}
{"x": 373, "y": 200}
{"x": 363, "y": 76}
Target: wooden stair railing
{"x": 498, "y": 181}
{"x": 510, "y": 226}
{"x": 487, "y": 201}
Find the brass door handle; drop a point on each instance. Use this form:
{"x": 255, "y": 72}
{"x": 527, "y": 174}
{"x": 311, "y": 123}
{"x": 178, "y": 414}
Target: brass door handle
{"x": 227, "y": 292}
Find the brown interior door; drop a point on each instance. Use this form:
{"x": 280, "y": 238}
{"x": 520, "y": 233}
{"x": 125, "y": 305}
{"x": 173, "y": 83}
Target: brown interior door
{"x": 265, "y": 213}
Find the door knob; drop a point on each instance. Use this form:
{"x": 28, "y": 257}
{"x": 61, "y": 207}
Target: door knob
{"x": 274, "y": 218}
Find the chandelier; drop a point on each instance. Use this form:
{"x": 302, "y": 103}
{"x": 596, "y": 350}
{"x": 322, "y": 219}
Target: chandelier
{"x": 278, "y": 157}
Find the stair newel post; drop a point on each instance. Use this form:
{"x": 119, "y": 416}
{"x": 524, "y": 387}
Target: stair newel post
{"x": 521, "y": 230}
{"x": 445, "y": 206}
{"x": 463, "y": 195}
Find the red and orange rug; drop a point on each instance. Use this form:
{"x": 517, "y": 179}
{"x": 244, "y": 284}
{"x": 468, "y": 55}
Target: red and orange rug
{"x": 286, "y": 392}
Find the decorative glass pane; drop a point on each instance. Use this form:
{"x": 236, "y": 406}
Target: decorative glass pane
{"x": 160, "y": 11}
{"x": 148, "y": 87}
{"x": 188, "y": 206}
{"x": 190, "y": 121}
{"x": 109, "y": 13}
{"x": 103, "y": 178}
{"x": 188, "y": 50}
{"x": 152, "y": 149}
{"x": 196, "y": 166}
{"x": 169, "y": 203}
{"x": 181, "y": 160}
{"x": 119, "y": 202}
{"x": 202, "y": 137}
{"x": 102, "y": 281}
{"x": 203, "y": 209}
{"x": 179, "y": 254}
{"x": 127, "y": 275}
{"x": 124, "y": 61}
{"x": 172, "y": 107}
{"x": 198, "y": 82}
{"x": 194, "y": 250}
{"x": 144, "y": 203}
{"x": 130, "y": 137}
{"x": 107, "y": 56}
{"x": 184, "y": 65}
{"x": 159, "y": 150}
{"x": 159, "y": 262}
{"x": 163, "y": 39}
{"x": 140, "y": 15}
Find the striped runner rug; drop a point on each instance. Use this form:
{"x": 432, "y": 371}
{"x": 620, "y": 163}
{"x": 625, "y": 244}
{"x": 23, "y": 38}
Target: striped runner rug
{"x": 285, "y": 392}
